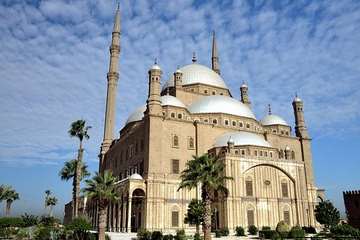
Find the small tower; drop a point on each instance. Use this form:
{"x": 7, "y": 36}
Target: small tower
{"x": 154, "y": 100}
{"x": 178, "y": 78}
{"x": 214, "y": 56}
{"x": 300, "y": 128}
{"x": 112, "y": 81}
{"x": 244, "y": 94}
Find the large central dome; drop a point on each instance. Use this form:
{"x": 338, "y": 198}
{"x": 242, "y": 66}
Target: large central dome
{"x": 196, "y": 73}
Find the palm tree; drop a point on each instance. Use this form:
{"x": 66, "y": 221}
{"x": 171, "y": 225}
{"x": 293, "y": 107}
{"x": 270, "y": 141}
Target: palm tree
{"x": 69, "y": 171}
{"x": 102, "y": 189}
{"x": 209, "y": 173}
{"x": 8, "y": 195}
{"x": 80, "y": 130}
{"x": 50, "y": 201}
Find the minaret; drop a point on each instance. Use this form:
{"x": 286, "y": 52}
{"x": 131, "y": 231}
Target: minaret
{"x": 112, "y": 79}
{"x": 300, "y": 128}
{"x": 154, "y": 100}
{"x": 214, "y": 56}
{"x": 244, "y": 94}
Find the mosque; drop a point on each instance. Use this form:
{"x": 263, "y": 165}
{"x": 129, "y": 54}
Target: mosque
{"x": 194, "y": 113}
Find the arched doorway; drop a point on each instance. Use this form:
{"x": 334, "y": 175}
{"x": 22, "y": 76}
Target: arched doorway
{"x": 137, "y": 209}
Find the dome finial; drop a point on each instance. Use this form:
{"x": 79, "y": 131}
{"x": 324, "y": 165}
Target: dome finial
{"x": 269, "y": 108}
{"x": 155, "y": 61}
{"x": 118, "y": 5}
{"x": 194, "y": 58}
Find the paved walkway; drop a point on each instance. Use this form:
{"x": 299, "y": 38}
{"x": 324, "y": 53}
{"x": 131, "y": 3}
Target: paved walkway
{"x": 121, "y": 236}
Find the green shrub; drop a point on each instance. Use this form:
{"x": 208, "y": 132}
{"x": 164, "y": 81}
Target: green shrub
{"x": 29, "y": 220}
{"x": 143, "y": 234}
{"x": 180, "y": 235}
{"x": 168, "y": 237}
{"x": 239, "y": 231}
{"x": 266, "y": 228}
{"x": 156, "y": 235}
{"x": 22, "y": 234}
{"x": 296, "y": 232}
{"x": 345, "y": 230}
{"x": 224, "y": 231}
{"x": 218, "y": 233}
{"x": 269, "y": 234}
{"x": 11, "y": 222}
{"x": 253, "y": 230}
{"x": 282, "y": 226}
{"x": 310, "y": 230}
{"x": 7, "y": 232}
{"x": 197, "y": 236}
{"x": 49, "y": 221}
{"x": 80, "y": 227}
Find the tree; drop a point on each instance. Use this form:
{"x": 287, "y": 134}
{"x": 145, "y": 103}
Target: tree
{"x": 102, "y": 189}
{"x": 69, "y": 171}
{"x": 50, "y": 201}
{"x": 79, "y": 130}
{"x": 9, "y": 195}
{"x": 209, "y": 173}
{"x": 327, "y": 214}
{"x": 195, "y": 213}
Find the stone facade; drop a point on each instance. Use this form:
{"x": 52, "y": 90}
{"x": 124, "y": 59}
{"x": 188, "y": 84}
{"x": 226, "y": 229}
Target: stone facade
{"x": 270, "y": 165}
{"x": 352, "y": 206}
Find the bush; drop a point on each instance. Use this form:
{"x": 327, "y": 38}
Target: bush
{"x": 224, "y": 231}
{"x": 168, "y": 237}
{"x": 144, "y": 234}
{"x": 269, "y": 234}
{"x": 197, "y": 236}
{"x": 180, "y": 235}
{"x": 6, "y": 222}
{"x": 239, "y": 231}
{"x": 345, "y": 230}
{"x": 156, "y": 235}
{"x": 218, "y": 233}
{"x": 80, "y": 227}
{"x": 49, "y": 221}
{"x": 296, "y": 232}
{"x": 282, "y": 226}
{"x": 266, "y": 228}
{"x": 253, "y": 230}
{"x": 29, "y": 220}
{"x": 310, "y": 230}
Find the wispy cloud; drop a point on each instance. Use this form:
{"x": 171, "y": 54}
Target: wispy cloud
{"x": 54, "y": 59}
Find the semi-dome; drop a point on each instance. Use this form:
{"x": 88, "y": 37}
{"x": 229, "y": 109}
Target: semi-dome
{"x": 197, "y": 73}
{"x": 221, "y": 104}
{"x": 136, "y": 176}
{"x": 241, "y": 138}
{"x": 166, "y": 100}
{"x": 272, "y": 119}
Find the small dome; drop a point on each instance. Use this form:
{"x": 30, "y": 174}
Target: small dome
{"x": 155, "y": 67}
{"x": 196, "y": 73}
{"x": 241, "y": 138}
{"x": 166, "y": 100}
{"x": 272, "y": 119}
{"x": 287, "y": 148}
{"x": 178, "y": 71}
{"x": 221, "y": 104}
{"x": 230, "y": 141}
{"x": 136, "y": 176}
{"x": 297, "y": 99}
{"x": 244, "y": 85}
{"x": 137, "y": 115}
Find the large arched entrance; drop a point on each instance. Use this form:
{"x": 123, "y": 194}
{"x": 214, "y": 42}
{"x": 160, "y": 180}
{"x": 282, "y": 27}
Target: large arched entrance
{"x": 137, "y": 209}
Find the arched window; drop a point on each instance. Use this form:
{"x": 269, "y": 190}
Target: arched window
{"x": 241, "y": 124}
{"x": 175, "y": 141}
{"x": 247, "y": 125}
{"x": 284, "y": 189}
{"x": 292, "y": 155}
{"x": 234, "y": 123}
{"x": 175, "y": 218}
{"x": 172, "y": 115}
{"x": 226, "y": 122}
{"x": 179, "y": 116}
{"x": 249, "y": 187}
{"x": 214, "y": 121}
{"x": 286, "y": 215}
{"x": 191, "y": 144}
{"x": 281, "y": 154}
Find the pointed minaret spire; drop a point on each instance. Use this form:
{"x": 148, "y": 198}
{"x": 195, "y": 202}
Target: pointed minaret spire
{"x": 269, "y": 108}
{"x": 112, "y": 81}
{"x": 214, "y": 56}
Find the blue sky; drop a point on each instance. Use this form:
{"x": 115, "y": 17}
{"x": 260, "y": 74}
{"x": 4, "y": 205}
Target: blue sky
{"x": 54, "y": 59}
